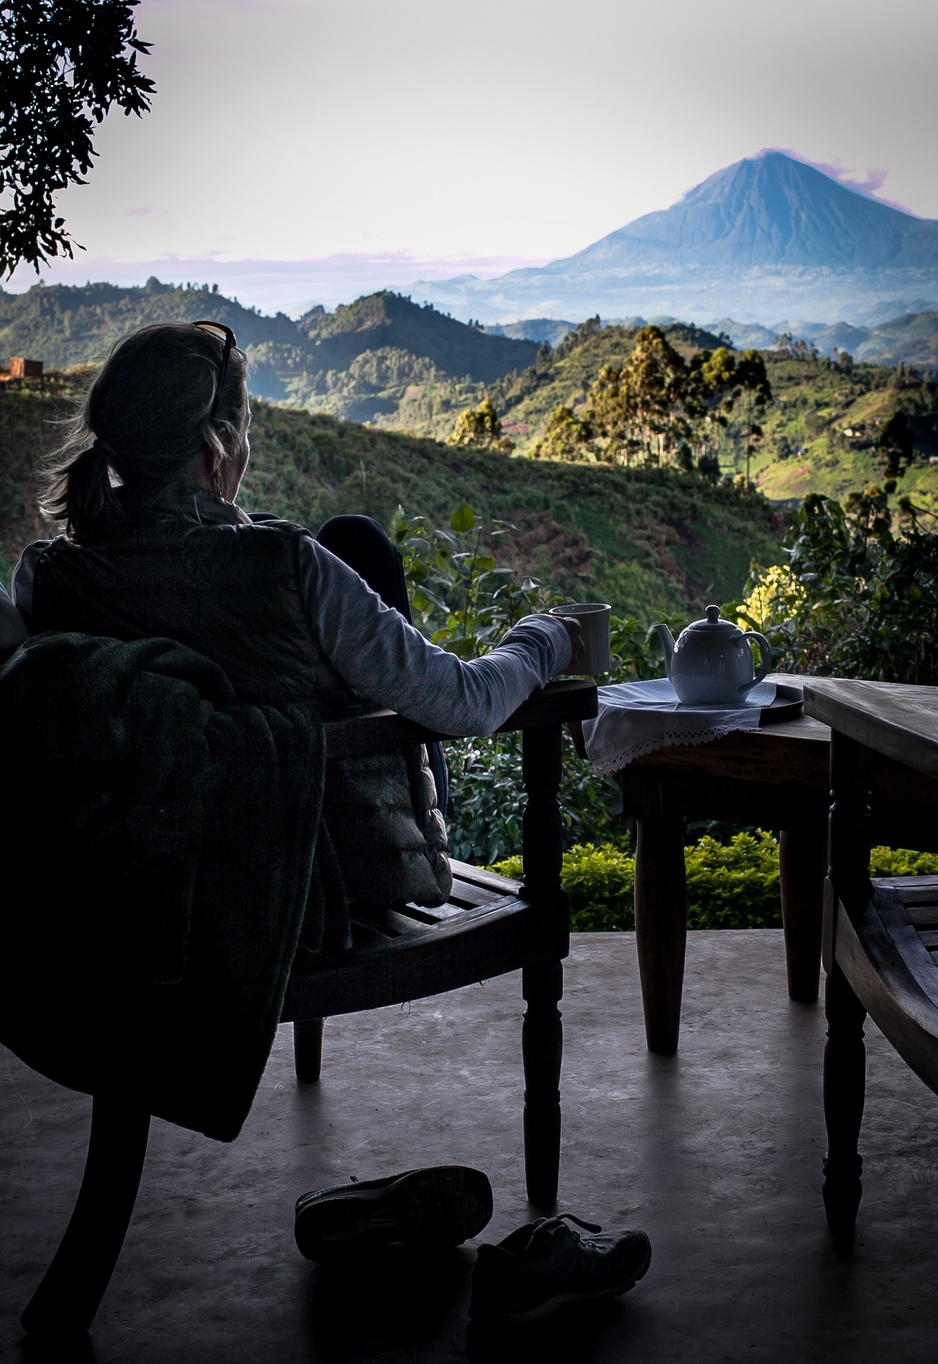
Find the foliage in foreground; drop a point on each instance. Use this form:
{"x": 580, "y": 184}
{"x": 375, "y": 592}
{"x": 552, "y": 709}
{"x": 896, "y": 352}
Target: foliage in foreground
{"x": 466, "y": 602}
{"x": 731, "y": 885}
{"x": 64, "y": 66}
{"x": 857, "y": 598}
{"x": 849, "y": 571}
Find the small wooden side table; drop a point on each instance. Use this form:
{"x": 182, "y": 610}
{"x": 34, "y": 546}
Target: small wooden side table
{"x": 775, "y": 777}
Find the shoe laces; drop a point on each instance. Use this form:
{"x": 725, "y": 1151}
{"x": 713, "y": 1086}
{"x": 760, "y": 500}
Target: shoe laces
{"x": 569, "y": 1217}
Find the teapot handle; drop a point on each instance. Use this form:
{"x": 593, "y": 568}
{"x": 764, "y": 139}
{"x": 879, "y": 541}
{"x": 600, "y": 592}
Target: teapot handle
{"x": 765, "y": 653}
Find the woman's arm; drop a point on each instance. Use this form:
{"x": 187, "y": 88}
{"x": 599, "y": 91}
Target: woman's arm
{"x": 389, "y": 662}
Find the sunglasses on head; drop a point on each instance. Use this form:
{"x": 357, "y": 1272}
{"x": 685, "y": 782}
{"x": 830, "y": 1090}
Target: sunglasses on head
{"x": 229, "y": 341}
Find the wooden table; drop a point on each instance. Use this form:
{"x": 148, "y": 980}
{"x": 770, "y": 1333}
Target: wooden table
{"x": 775, "y": 777}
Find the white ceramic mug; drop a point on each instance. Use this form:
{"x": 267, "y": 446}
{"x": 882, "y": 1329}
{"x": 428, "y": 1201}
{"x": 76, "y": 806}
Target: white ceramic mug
{"x": 593, "y": 618}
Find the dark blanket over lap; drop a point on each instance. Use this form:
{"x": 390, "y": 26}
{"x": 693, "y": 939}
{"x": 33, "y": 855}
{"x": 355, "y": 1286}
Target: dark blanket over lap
{"x": 164, "y": 835}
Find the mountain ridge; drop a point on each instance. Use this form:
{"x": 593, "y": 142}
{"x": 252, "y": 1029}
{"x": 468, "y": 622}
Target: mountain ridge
{"x": 67, "y": 325}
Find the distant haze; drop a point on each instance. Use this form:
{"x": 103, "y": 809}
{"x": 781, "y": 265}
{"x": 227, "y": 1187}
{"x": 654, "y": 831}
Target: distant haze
{"x": 303, "y": 151}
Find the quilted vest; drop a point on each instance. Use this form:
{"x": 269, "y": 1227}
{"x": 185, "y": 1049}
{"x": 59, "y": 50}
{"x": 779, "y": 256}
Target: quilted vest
{"x": 232, "y": 591}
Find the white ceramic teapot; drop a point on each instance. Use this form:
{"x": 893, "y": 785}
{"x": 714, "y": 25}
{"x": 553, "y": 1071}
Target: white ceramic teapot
{"x": 711, "y": 662}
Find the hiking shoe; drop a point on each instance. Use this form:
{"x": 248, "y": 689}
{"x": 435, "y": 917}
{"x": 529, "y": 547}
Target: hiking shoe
{"x": 542, "y": 1267}
{"x": 442, "y": 1205}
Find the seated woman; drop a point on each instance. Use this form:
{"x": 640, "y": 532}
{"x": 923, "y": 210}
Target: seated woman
{"x": 155, "y": 544}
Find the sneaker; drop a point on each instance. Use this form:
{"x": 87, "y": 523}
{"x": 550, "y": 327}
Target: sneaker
{"x": 442, "y": 1205}
{"x": 542, "y": 1267}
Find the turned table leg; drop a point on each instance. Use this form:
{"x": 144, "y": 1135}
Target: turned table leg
{"x": 802, "y": 867}
{"x": 661, "y": 926}
{"x": 844, "y": 1085}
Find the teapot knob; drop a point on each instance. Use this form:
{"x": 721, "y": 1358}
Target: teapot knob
{"x": 713, "y": 614}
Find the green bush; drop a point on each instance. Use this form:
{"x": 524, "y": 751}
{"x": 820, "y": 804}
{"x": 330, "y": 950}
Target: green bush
{"x": 857, "y": 598}
{"x": 735, "y": 884}
{"x": 483, "y": 820}
{"x": 729, "y": 885}
{"x": 902, "y": 862}
{"x": 465, "y": 602}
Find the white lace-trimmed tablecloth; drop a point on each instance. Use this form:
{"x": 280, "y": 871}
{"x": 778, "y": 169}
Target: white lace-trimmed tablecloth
{"x": 636, "y": 718}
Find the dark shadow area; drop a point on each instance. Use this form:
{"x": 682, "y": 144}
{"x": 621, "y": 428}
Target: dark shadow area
{"x": 399, "y": 1298}
{"x": 58, "y": 1350}
{"x": 576, "y": 1334}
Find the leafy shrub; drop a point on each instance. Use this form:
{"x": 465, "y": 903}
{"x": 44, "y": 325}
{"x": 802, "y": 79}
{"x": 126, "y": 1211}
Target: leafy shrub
{"x": 487, "y": 799}
{"x": 465, "y": 601}
{"x": 857, "y": 599}
{"x": 459, "y": 595}
{"x": 731, "y": 885}
{"x": 735, "y": 884}
{"x": 902, "y": 862}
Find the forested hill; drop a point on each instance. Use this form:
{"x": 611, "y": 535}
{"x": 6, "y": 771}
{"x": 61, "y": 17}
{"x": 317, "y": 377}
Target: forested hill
{"x": 647, "y": 540}
{"x": 388, "y": 320}
{"x": 384, "y": 337}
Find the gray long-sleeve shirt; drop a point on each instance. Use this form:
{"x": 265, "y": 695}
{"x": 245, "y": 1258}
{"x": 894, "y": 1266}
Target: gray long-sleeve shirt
{"x": 388, "y": 662}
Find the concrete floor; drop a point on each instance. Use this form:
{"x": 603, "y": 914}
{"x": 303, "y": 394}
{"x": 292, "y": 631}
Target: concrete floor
{"x": 715, "y": 1152}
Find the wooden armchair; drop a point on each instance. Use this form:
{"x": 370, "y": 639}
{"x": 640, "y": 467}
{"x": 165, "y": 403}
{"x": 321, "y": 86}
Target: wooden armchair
{"x": 880, "y": 937}
{"x": 490, "y": 926}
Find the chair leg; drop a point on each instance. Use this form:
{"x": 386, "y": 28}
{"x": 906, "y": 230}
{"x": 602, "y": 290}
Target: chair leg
{"x": 75, "y": 1282}
{"x": 542, "y": 1053}
{"x": 844, "y": 1084}
{"x": 307, "y": 1049}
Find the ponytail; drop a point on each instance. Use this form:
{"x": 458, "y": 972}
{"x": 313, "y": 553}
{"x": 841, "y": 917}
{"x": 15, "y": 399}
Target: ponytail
{"x": 86, "y": 498}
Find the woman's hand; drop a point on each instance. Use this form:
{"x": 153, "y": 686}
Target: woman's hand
{"x": 577, "y": 647}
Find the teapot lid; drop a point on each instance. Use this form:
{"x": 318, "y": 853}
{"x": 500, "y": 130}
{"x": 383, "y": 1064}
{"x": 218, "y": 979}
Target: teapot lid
{"x": 712, "y": 624}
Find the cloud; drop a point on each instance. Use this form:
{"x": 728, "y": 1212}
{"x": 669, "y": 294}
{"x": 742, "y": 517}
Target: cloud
{"x": 869, "y": 186}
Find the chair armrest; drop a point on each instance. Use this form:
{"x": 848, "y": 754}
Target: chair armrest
{"x": 377, "y": 730}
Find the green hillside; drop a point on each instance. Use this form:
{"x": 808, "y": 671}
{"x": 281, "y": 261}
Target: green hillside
{"x": 389, "y": 362}
{"x": 823, "y": 426}
{"x": 525, "y": 399}
{"x": 820, "y": 430}
{"x": 647, "y": 540}
{"x": 388, "y": 321}
{"x": 357, "y": 362}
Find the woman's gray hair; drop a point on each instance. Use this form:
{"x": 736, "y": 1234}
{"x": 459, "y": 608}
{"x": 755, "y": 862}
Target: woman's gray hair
{"x": 144, "y": 419}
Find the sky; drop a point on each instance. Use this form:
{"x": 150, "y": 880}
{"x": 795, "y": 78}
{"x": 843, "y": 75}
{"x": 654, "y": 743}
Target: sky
{"x": 309, "y": 151}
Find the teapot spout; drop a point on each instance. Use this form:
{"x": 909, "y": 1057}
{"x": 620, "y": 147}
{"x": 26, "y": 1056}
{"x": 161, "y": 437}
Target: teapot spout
{"x": 667, "y": 639}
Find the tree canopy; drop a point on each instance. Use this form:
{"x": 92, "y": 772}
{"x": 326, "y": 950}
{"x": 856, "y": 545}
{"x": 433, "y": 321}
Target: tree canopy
{"x": 63, "y": 64}
{"x": 480, "y": 427}
{"x": 658, "y": 408}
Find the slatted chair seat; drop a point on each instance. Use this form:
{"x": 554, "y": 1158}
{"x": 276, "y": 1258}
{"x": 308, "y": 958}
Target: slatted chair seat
{"x": 890, "y": 948}
{"x": 409, "y": 950}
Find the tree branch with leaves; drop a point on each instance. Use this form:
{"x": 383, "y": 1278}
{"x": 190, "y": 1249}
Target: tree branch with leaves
{"x": 63, "y": 64}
